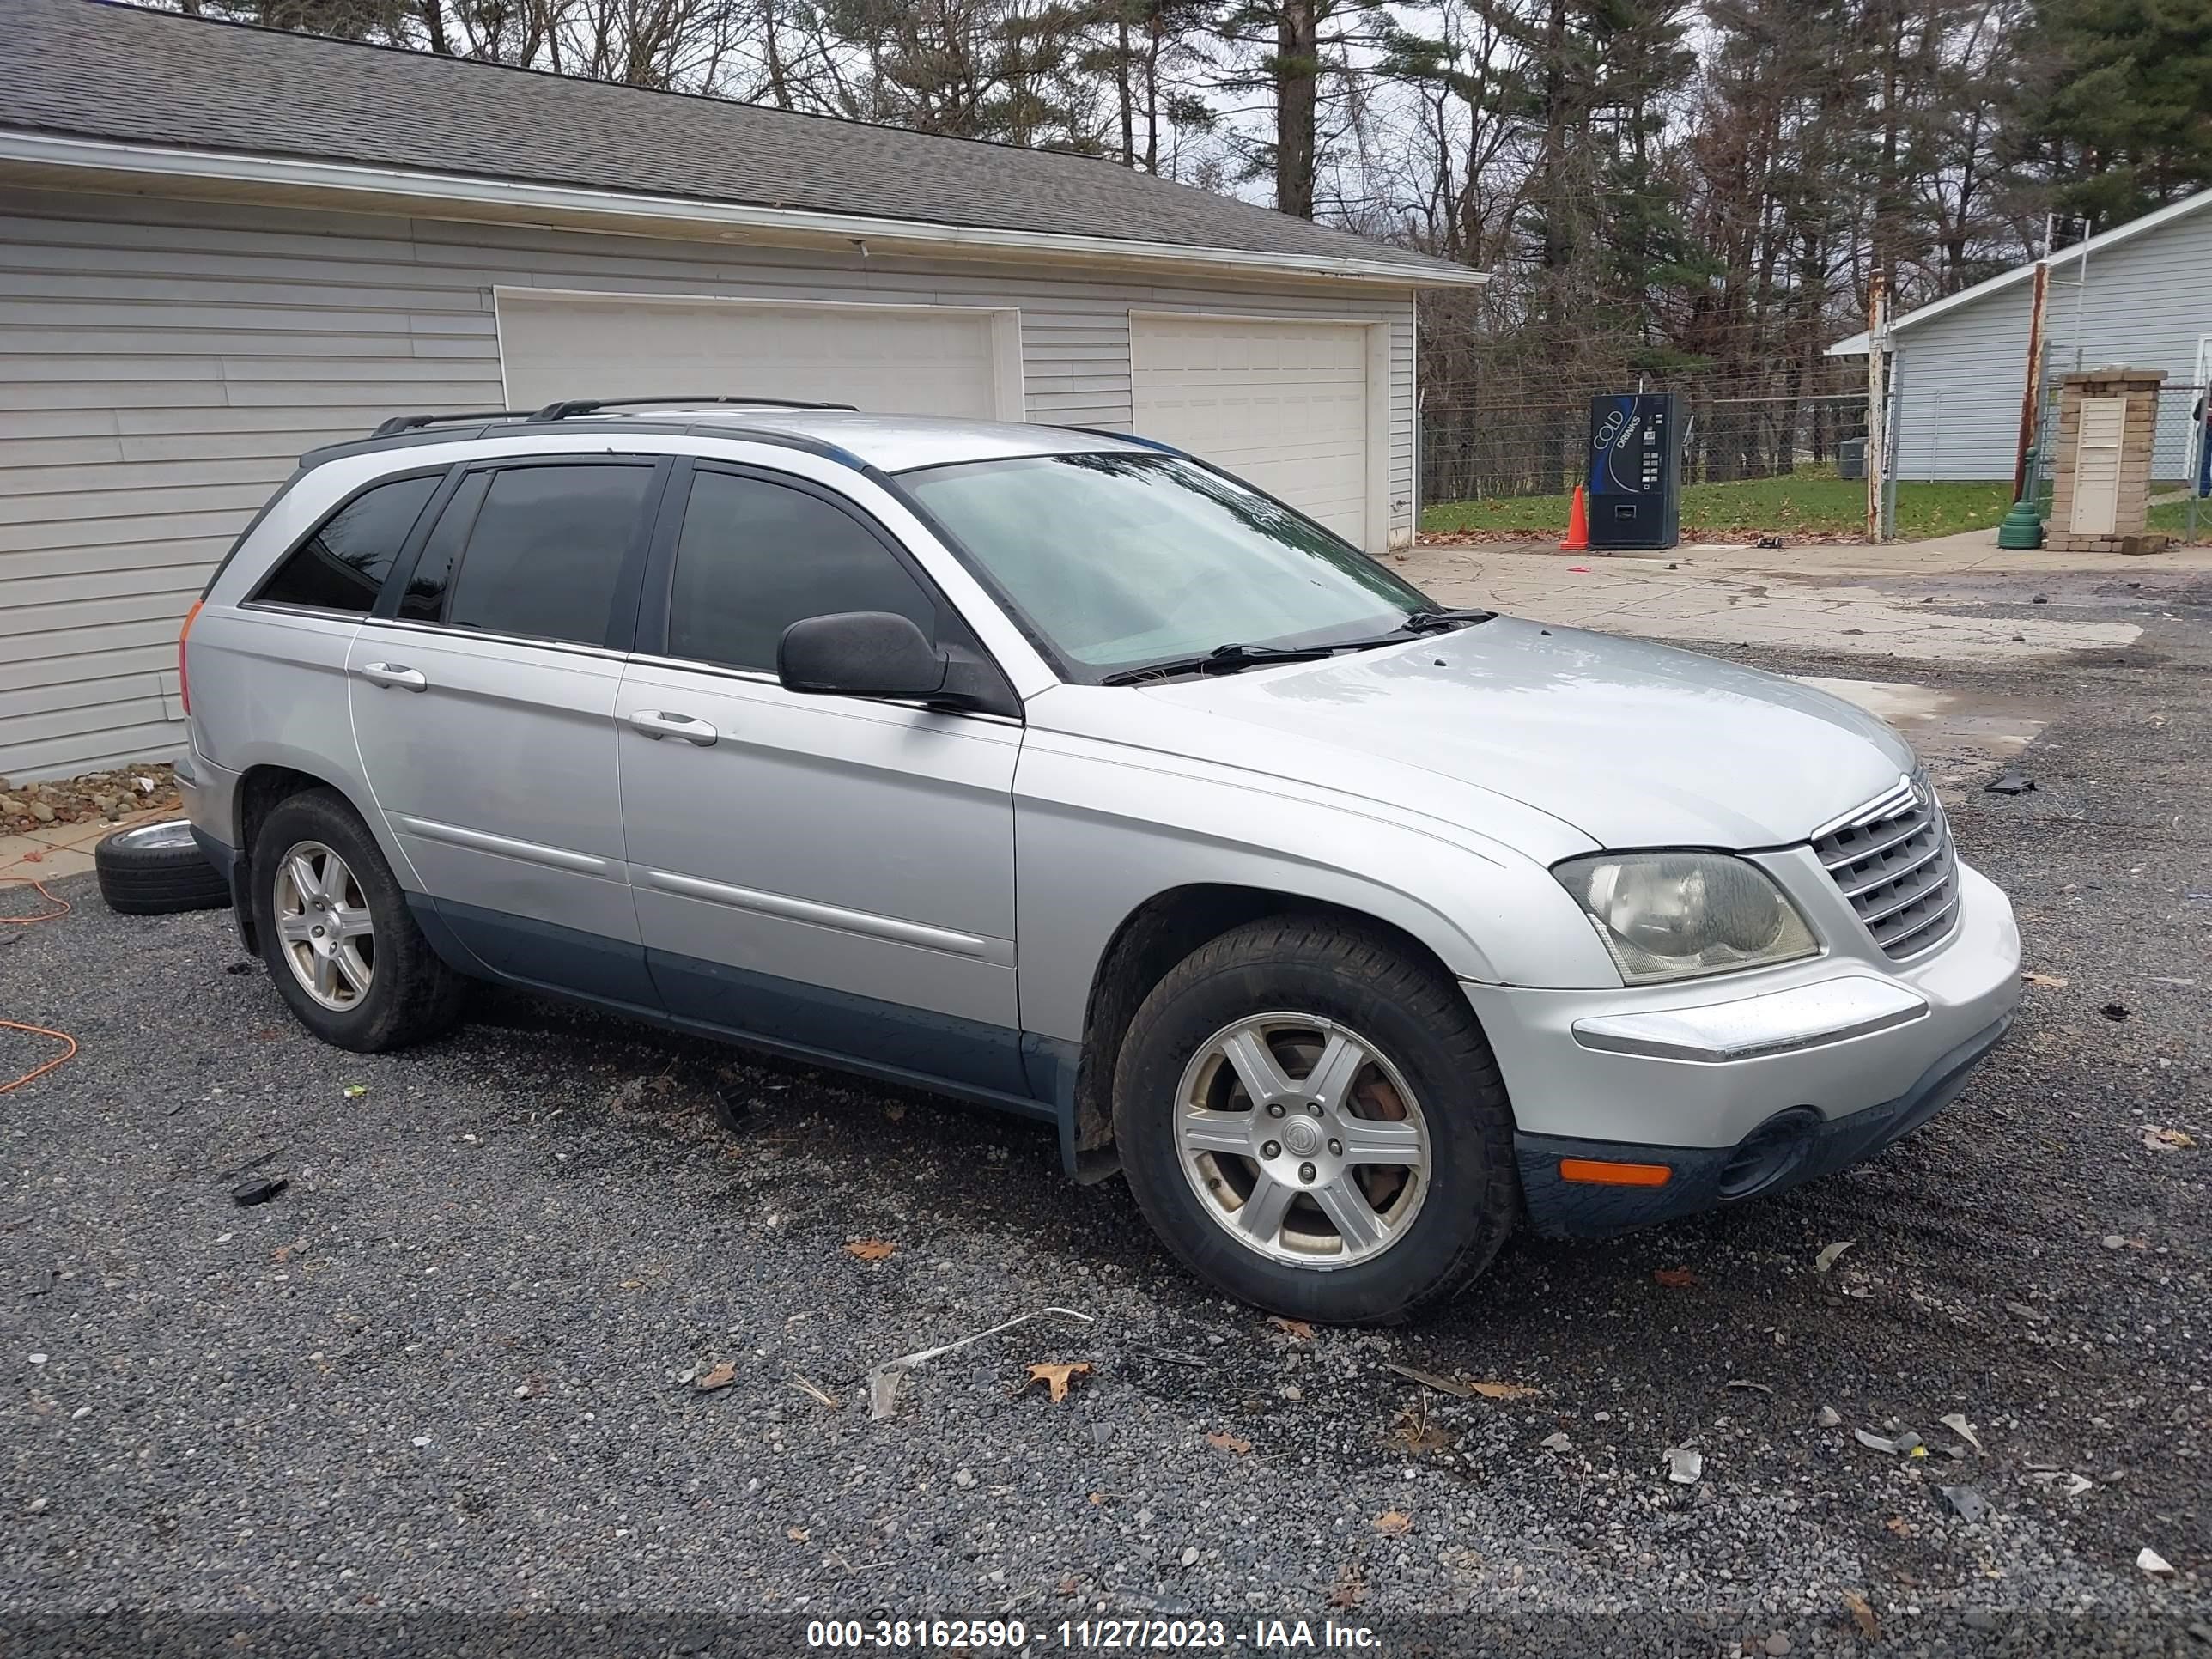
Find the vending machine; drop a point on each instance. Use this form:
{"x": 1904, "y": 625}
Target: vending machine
{"x": 1635, "y": 471}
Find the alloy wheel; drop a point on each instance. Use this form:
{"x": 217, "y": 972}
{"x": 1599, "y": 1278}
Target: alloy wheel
{"x": 1302, "y": 1141}
{"x": 323, "y": 921}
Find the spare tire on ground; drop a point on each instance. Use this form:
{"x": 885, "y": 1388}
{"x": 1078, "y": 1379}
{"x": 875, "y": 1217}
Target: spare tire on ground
{"x": 155, "y": 869}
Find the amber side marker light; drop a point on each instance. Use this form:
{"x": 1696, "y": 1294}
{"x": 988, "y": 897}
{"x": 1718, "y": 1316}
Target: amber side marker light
{"x": 1597, "y": 1172}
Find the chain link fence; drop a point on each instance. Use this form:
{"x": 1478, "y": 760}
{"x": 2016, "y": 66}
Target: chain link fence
{"x": 1505, "y": 450}
{"x": 2181, "y": 461}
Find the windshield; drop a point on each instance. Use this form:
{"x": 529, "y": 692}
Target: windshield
{"x": 1118, "y": 561}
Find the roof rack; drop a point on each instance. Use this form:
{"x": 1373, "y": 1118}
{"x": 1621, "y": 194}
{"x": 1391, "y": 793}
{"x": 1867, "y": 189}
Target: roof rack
{"x": 399, "y": 423}
{"x": 564, "y": 409}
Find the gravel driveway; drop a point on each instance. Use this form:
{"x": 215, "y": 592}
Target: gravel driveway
{"x": 460, "y": 1362}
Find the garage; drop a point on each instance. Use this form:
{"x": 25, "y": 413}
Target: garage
{"x": 189, "y": 308}
{"x": 1290, "y": 405}
{"x": 894, "y": 359}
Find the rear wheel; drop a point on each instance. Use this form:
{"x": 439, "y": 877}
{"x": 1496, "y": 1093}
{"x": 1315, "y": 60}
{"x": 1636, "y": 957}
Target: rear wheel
{"x": 336, "y": 932}
{"x": 1312, "y": 1121}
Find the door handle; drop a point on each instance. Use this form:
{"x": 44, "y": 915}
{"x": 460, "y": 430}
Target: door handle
{"x": 393, "y": 673}
{"x": 657, "y": 726}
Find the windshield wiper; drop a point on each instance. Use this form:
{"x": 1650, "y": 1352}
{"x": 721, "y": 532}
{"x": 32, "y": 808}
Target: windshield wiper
{"x": 1228, "y": 659}
{"x": 1428, "y": 622}
{"x": 1224, "y": 660}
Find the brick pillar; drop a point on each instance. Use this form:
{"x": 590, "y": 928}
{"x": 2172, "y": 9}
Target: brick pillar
{"x": 2138, "y": 439}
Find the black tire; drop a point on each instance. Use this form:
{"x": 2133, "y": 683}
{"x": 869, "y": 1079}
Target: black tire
{"x": 411, "y": 995}
{"x": 1403, "y": 1010}
{"x": 158, "y": 870}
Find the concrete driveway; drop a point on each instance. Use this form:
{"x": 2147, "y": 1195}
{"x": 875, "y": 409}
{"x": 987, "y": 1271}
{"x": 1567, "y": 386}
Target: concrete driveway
{"x": 526, "y": 1331}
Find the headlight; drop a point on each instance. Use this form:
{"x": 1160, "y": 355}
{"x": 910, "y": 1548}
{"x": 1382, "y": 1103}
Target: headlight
{"x": 1677, "y": 915}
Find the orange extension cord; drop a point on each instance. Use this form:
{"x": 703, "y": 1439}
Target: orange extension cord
{"x": 61, "y": 908}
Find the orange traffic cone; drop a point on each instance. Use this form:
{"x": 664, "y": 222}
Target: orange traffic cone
{"x": 1577, "y": 539}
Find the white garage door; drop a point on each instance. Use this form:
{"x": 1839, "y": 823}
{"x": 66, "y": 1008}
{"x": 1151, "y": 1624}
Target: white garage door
{"x": 1283, "y": 404}
{"x": 897, "y": 360}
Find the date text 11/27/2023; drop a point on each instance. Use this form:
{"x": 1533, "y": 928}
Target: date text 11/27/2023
{"x": 1127, "y": 1635}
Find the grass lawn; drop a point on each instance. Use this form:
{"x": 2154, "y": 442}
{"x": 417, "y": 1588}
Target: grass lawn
{"x": 2173, "y": 519}
{"x": 1808, "y": 504}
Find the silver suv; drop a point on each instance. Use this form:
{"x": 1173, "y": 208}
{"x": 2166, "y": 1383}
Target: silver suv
{"x": 1058, "y": 770}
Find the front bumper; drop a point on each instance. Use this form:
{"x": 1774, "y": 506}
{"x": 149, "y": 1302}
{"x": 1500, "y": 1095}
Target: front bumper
{"x": 1735, "y": 1091}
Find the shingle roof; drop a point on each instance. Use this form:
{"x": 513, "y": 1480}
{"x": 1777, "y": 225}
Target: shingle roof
{"x": 91, "y": 69}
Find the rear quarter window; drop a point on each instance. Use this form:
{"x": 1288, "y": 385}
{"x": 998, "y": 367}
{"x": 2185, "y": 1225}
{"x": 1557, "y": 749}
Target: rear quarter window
{"x": 342, "y": 564}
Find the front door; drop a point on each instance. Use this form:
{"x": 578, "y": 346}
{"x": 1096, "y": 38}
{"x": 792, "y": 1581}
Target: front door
{"x": 831, "y": 873}
{"x": 484, "y": 705}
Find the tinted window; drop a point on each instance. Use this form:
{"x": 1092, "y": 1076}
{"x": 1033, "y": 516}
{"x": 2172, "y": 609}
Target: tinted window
{"x": 424, "y": 599}
{"x": 756, "y": 557}
{"x": 547, "y": 550}
{"x": 343, "y": 564}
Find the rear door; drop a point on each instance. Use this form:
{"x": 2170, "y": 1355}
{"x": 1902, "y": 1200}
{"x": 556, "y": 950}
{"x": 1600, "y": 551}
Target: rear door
{"x": 835, "y": 873}
{"x": 482, "y": 694}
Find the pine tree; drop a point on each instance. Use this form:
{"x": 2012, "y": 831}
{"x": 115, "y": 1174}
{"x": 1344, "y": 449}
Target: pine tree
{"x": 2122, "y": 110}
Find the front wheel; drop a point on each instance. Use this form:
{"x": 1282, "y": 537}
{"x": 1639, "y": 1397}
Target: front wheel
{"x": 340, "y": 943}
{"x": 1312, "y": 1121}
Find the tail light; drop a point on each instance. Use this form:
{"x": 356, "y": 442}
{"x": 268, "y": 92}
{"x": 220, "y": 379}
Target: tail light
{"x": 184, "y": 673}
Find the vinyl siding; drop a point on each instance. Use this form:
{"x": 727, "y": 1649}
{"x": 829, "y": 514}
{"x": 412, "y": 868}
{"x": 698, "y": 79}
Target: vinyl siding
{"x": 163, "y": 363}
{"x": 1960, "y": 376}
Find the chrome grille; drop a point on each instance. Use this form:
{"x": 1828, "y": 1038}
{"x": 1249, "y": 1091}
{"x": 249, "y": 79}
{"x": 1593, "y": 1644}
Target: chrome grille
{"x": 1893, "y": 860}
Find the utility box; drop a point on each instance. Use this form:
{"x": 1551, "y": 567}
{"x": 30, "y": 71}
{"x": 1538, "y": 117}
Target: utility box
{"x": 1635, "y": 471}
{"x": 1851, "y": 459}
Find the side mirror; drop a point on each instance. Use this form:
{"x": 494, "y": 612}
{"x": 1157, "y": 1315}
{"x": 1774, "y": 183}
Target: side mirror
{"x": 860, "y": 653}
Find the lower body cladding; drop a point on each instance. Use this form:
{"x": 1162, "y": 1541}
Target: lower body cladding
{"x": 1636, "y": 1106}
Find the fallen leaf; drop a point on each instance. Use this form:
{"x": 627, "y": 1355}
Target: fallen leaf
{"x": 797, "y": 1535}
{"x": 1900, "y": 1525}
{"x": 1297, "y": 1329}
{"x": 1862, "y": 1615}
{"x": 1349, "y": 1590}
{"x": 871, "y": 1250}
{"x": 1676, "y": 1278}
{"x": 719, "y": 1378}
{"x": 1229, "y": 1442}
{"x": 2049, "y": 981}
{"x": 1393, "y": 1524}
{"x": 355, "y": 1091}
{"x": 1431, "y": 1380}
{"x": 1504, "y": 1390}
{"x": 1414, "y": 1434}
{"x": 1056, "y": 1377}
{"x": 1956, "y": 1422}
{"x": 1097, "y": 1497}
{"x": 1826, "y": 1259}
{"x": 2167, "y": 1140}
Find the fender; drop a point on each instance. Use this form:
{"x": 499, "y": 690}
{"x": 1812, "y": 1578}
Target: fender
{"x": 1102, "y": 829}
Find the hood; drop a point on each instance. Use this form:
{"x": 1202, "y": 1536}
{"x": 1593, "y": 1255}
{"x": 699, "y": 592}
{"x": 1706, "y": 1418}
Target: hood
{"x": 1634, "y": 744}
